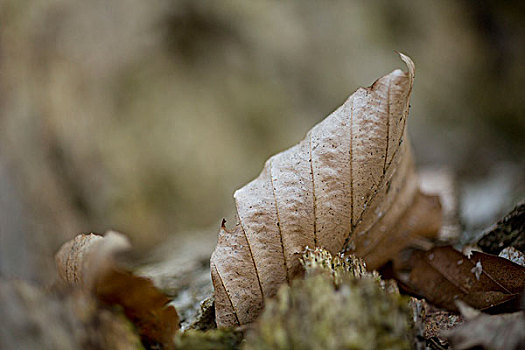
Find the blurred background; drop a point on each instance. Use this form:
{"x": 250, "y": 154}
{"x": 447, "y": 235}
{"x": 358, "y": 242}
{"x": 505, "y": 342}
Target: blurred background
{"x": 145, "y": 116}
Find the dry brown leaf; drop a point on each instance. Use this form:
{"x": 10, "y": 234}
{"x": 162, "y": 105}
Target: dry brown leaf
{"x": 349, "y": 185}
{"x": 88, "y": 261}
{"x": 443, "y": 275}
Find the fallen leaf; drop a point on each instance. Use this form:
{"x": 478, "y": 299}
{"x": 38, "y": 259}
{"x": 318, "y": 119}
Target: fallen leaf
{"x": 349, "y": 185}
{"x": 82, "y": 260}
{"x": 443, "y": 275}
{"x": 88, "y": 261}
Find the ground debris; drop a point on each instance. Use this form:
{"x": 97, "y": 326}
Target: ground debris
{"x": 181, "y": 270}
{"x": 494, "y": 332}
{"x": 430, "y": 322}
{"x": 205, "y": 318}
{"x": 514, "y": 255}
{"x": 34, "y": 318}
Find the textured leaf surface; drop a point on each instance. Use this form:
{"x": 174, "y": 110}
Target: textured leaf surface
{"x": 347, "y": 186}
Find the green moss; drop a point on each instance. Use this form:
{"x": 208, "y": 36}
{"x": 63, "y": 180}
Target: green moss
{"x": 337, "y": 306}
{"x": 318, "y": 260}
{"x": 215, "y": 339}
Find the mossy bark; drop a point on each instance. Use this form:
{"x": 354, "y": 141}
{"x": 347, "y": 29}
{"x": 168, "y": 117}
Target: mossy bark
{"x": 337, "y": 306}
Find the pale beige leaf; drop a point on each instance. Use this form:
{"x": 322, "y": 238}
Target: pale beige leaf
{"x": 81, "y": 261}
{"x": 346, "y": 187}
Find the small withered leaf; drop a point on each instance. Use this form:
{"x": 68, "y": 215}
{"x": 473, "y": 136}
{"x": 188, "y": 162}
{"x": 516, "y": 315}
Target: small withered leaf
{"x": 88, "y": 261}
{"x": 142, "y": 303}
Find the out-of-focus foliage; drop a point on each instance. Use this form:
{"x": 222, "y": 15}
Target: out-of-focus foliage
{"x": 143, "y": 116}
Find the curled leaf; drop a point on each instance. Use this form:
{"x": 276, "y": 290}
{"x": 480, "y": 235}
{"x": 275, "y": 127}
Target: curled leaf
{"x": 349, "y": 185}
{"x": 84, "y": 259}
{"x": 88, "y": 261}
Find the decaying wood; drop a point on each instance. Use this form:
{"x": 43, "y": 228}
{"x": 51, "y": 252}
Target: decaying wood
{"x": 349, "y": 185}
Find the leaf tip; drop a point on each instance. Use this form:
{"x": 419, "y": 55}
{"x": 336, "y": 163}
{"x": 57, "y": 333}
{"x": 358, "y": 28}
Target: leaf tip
{"x": 410, "y": 64}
